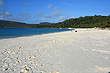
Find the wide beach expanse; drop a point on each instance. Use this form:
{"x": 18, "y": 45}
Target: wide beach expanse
{"x": 84, "y": 51}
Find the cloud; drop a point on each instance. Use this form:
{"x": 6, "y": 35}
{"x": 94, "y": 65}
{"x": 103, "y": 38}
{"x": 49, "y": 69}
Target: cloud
{"x": 23, "y": 13}
{"x": 7, "y": 13}
{"x": 54, "y": 9}
{"x": 53, "y": 14}
{"x": 25, "y": 16}
{"x": 42, "y": 19}
{"x": 12, "y": 18}
{"x": 63, "y": 18}
{"x": 22, "y": 17}
{"x": 39, "y": 14}
{"x": 2, "y": 11}
{"x": 38, "y": 20}
{"x": 49, "y": 6}
{"x": 56, "y": 14}
{"x": 72, "y": 16}
{"x": 1, "y": 3}
{"x": 4, "y": 14}
{"x": 47, "y": 16}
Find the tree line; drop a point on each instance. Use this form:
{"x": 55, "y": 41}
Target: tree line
{"x": 81, "y": 22}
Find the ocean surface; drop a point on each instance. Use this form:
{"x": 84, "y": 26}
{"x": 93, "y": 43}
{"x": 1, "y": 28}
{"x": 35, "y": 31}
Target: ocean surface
{"x": 19, "y": 32}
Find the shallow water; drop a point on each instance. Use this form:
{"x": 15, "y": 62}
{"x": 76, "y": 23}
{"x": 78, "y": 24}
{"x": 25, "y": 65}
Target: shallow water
{"x": 19, "y": 32}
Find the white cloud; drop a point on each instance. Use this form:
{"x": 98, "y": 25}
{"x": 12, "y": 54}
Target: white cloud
{"x": 42, "y": 19}
{"x": 2, "y": 11}
{"x": 22, "y": 17}
{"x": 54, "y": 9}
{"x": 49, "y": 6}
{"x": 25, "y": 16}
{"x": 39, "y": 14}
{"x": 1, "y": 17}
{"x": 53, "y": 14}
{"x": 72, "y": 16}
{"x": 23, "y": 13}
{"x": 1, "y": 3}
{"x": 38, "y": 20}
{"x": 7, "y": 13}
{"x": 56, "y": 14}
{"x": 63, "y": 18}
{"x": 4, "y": 14}
{"x": 47, "y": 16}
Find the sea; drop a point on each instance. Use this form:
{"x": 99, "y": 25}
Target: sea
{"x": 19, "y": 32}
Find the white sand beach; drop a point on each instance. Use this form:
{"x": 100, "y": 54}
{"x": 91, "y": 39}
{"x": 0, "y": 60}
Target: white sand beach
{"x": 84, "y": 51}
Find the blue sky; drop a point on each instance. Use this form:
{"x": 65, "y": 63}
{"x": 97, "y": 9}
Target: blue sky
{"x": 36, "y": 11}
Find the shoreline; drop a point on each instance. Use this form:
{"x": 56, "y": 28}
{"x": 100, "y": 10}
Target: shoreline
{"x": 73, "y": 29}
{"x": 84, "y": 51}
{"x": 31, "y": 35}
{"x": 21, "y": 35}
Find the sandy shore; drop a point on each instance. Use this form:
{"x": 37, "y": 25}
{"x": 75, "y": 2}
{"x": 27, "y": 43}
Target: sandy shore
{"x": 85, "y": 51}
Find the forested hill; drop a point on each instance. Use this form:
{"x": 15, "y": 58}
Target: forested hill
{"x": 85, "y": 22}
{"x": 81, "y": 22}
{"x": 11, "y": 24}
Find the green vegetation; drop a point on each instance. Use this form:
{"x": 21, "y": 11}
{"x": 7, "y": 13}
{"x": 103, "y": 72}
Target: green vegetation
{"x": 81, "y": 22}
{"x": 85, "y": 22}
{"x": 10, "y": 24}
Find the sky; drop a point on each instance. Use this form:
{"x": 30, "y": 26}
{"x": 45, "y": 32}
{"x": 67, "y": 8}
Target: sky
{"x": 53, "y": 11}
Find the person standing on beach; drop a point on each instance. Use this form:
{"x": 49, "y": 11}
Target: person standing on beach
{"x": 71, "y": 30}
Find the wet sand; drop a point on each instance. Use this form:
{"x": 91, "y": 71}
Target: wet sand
{"x": 84, "y": 51}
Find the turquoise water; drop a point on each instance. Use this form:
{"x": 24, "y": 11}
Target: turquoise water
{"x": 19, "y": 32}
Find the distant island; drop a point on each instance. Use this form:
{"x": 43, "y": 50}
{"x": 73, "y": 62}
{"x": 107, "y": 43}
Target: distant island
{"x": 45, "y": 23}
{"x": 81, "y": 22}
